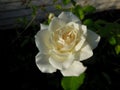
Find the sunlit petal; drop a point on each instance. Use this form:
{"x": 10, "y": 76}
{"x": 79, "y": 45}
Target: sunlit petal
{"x": 68, "y": 17}
{"x": 84, "y": 29}
{"x": 75, "y": 69}
{"x": 80, "y": 43}
{"x": 85, "y": 52}
{"x": 93, "y": 39}
{"x": 43, "y": 26}
{"x": 56, "y": 23}
{"x": 43, "y": 63}
{"x": 61, "y": 61}
{"x": 42, "y": 40}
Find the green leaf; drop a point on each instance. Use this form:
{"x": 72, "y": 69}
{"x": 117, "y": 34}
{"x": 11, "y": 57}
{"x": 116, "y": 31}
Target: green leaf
{"x": 72, "y": 83}
{"x": 117, "y": 49}
{"x": 105, "y": 31}
{"x": 101, "y": 22}
{"x": 66, "y": 1}
{"x": 78, "y": 8}
{"x": 112, "y": 40}
{"x": 58, "y": 6}
{"x": 88, "y": 22}
{"x": 81, "y": 14}
{"x": 89, "y": 9}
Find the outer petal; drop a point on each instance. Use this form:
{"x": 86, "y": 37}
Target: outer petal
{"x": 43, "y": 63}
{"x": 69, "y": 17}
{"x": 84, "y": 29}
{"x": 56, "y": 23}
{"x": 43, "y": 27}
{"x": 85, "y": 52}
{"x": 74, "y": 70}
{"x": 42, "y": 40}
{"x": 92, "y": 39}
{"x": 61, "y": 62}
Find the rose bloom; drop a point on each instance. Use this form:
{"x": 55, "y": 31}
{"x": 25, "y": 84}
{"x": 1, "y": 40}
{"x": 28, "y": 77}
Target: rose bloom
{"x": 63, "y": 44}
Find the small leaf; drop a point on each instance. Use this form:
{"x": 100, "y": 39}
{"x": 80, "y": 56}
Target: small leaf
{"x": 66, "y": 1}
{"x": 58, "y": 7}
{"x": 112, "y": 40}
{"x": 105, "y": 31}
{"x": 101, "y": 22}
{"x": 81, "y": 14}
{"x": 76, "y": 9}
{"x": 89, "y": 9}
{"x": 72, "y": 83}
{"x": 117, "y": 49}
{"x": 88, "y": 22}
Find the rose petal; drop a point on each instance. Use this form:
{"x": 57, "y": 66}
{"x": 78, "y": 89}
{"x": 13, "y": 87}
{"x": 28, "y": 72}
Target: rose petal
{"x": 42, "y": 40}
{"x": 43, "y": 63}
{"x": 92, "y": 39}
{"x": 69, "y": 17}
{"x": 84, "y": 29}
{"x": 74, "y": 70}
{"x": 61, "y": 62}
{"x": 56, "y": 23}
{"x": 43, "y": 27}
{"x": 81, "y": 42}
{"x": 85, "y": 52}
{"x": 73, "y": 25}
{"x": 82, "y": 37}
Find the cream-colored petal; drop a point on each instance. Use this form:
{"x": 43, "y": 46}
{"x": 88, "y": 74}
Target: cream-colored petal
{"x": 43, "y": 64}
{"x": 75, "y": 69}
{"x": 56, "y": 23}
{"x": 61, "y": 61}
{"x": 42, "y": 40}
{"x": 43, "y": 27}
{"x": 80, "y": 43}
{"x": 84, "y": 29}
{"x": 73, "y": 25}
{"x": 82, "y": 37}
{"x": 69, "y": 17}
{"x": 85, "y": 52}
{"x": 93, "y": 39}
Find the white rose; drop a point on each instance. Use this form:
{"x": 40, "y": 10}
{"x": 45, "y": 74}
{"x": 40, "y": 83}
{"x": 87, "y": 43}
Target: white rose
{"x": 63, "y": 44}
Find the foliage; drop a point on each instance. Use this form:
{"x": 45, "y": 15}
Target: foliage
{"x": 72, "y": 83}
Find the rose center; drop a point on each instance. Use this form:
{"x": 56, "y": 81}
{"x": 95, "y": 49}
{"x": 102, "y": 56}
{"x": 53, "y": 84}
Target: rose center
{"x": 64, "y": 38}
{"x": 68, "y": 37}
